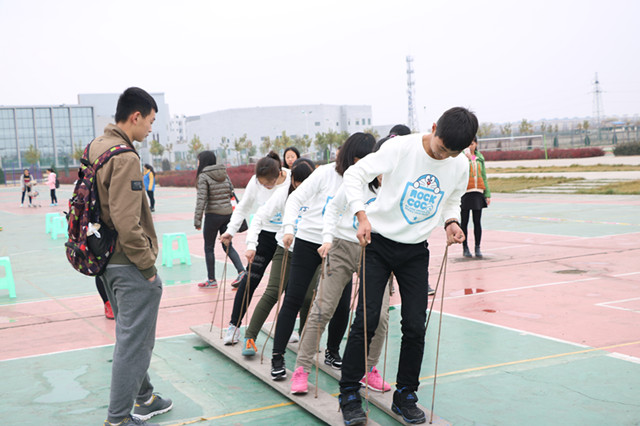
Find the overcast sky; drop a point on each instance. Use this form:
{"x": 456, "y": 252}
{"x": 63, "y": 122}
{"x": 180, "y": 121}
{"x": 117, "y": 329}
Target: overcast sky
{"x": 506, "y": 60}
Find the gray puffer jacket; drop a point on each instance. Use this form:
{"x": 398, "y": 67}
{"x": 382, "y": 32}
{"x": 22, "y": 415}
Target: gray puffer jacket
{"x": 214, "y": 193}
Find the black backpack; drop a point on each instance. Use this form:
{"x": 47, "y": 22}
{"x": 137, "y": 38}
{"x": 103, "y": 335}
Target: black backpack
{"x": 90, "y": 254}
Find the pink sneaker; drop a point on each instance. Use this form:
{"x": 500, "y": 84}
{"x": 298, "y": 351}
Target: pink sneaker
{"x": 375, "y": 381}
{"x": 299, "y": 381}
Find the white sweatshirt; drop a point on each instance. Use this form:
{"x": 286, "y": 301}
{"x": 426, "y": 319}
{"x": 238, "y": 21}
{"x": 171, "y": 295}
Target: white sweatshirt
{"x": 315, "y": 192}
{"x": 417, "y": 192}
{"x": 338, "y": 221}
{"x": 255, "y": 195}
{"x": 272, "y": 208}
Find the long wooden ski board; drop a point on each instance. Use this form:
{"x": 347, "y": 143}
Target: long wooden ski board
{"x": 381, "y": 400}
{"x": 325, "y": 407}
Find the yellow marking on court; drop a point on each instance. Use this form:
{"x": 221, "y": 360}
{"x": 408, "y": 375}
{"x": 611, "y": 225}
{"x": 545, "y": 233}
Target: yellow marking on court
{"x": 237, "y": 413}
{"x": 522, "y": 361}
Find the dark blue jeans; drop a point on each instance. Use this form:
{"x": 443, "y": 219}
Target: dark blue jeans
{"x": 410, "y": 265}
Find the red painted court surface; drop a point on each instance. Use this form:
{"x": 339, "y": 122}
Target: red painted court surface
{"x": 544, "y": 330}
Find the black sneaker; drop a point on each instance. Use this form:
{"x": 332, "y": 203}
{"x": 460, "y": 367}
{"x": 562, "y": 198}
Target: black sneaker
{"x": 351, "y": 407}
{"x": 278, "y": 369}
{"x": 333, "y": 359}
{"x": 430, "y": 291}
{"x": 404, "y": 404}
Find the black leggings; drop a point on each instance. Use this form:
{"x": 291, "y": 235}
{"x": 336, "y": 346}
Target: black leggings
{"x": 264, "y": 253}
{"x": 477, "y": 227}
{"x": 27, "y": 189}
{"x": 101, "y": 290}
{"x": 214, "y": 224}
{"x": 152, "y": 201}
{"x": 54, "y": 198}
{"x": 304, "y": 263}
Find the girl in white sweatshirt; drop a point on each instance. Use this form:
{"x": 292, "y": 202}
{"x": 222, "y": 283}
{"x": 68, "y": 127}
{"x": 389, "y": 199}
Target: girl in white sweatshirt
{"x": 314, "y": 192}
{"x": 269, "y": 177}
{"x": 301, "y": 169}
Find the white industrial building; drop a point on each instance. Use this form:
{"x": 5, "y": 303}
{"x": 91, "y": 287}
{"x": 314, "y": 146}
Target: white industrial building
{"x": 269, "y": 122}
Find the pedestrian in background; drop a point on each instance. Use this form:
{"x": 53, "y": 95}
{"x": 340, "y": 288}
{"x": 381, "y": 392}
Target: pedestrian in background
{"x": 150, "y": 184}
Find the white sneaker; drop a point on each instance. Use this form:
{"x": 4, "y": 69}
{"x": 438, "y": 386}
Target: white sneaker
{"x": 22, "y": 205}
{"x": 295, "y": 338}
{"x": 232, "y": 336}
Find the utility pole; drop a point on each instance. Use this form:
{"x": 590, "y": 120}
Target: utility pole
{"x": 598, "y": 110}
{"x": 412, "y": 120}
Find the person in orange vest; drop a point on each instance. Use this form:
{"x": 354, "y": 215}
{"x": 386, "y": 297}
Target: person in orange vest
{"x": 477, "y": 197}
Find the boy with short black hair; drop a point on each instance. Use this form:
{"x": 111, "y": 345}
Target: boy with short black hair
{"x": 130, "y": 279}
{"x": 423, "y": 181}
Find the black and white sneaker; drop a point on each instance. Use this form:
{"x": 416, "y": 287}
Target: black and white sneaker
{"x": 333, "y": 359}
{"x": 278, "y": 369}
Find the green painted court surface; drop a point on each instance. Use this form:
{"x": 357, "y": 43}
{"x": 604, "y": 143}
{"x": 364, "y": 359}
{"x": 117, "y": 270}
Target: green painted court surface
{"x": 523, "y": 342}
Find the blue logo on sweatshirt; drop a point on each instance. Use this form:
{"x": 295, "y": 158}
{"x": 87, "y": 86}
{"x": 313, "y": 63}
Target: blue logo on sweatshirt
{"x": 276, "y": 219}
{"x": 421, "y": 199}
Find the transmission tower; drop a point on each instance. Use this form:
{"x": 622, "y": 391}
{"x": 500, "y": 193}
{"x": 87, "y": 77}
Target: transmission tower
{"x": 412, "y": 121}
{"x": 598, "y": 110}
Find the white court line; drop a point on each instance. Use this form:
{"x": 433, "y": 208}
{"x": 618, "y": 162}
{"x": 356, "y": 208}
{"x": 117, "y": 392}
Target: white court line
{"x": 606, "y": 305}
{"x": 525, "y": 287}
{"x": 88, "y": 347}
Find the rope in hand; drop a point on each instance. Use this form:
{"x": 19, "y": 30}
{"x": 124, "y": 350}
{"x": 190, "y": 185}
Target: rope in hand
{"x": 443, "y": 275}
{"x": 244, "y": 305}
{"x": 319, "y": 288}
{"x": 224, "y": 279}
{"x": 283, "y": 268}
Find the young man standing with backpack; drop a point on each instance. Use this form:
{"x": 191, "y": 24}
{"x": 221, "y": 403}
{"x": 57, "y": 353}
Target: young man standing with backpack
{"x": 131, "y": 280}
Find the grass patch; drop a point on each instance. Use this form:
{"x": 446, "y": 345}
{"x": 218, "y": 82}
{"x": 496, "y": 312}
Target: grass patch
{"x": 631, "y": 187}
{"x": 516, "y": 184}
{"x": 571, "y": 168}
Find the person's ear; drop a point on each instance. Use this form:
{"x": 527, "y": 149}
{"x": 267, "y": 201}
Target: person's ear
{"x": 433, "y": 128}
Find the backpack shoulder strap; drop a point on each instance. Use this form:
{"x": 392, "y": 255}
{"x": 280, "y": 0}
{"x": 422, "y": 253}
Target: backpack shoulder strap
{"x": 111, "y": 152}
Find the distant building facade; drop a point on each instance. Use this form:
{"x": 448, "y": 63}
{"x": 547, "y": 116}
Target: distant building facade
{"x": 54, "y": 131}
{"x": 261, "y": 123}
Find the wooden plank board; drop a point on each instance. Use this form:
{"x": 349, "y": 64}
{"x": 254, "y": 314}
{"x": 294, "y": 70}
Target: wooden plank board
{"x": 325, "y": 407}
{"x": 381, "y": 400}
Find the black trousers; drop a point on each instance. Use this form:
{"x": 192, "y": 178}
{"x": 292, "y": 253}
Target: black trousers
{"x": 215, "y": 224}
{"x": 410, "y": 265}
{"x": 152, "y": 200}
{"x": 304, "y": 263}
{"x": 264, "y": 253}
{"x": 54, "y": 198}
{"x": 477, "y": 225}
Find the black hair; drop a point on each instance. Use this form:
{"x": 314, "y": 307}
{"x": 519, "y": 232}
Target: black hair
{"x": 399, "y": 130}
{"x": 457, "y": 127}
{"x": 284, "y": 155}
{"x": 150, "y": 167}
{"x": 300, "y": 170}
{"x": 269, "y": 166}
{"x": 375, "y": 184}
{"x": 356, "y": 146}
{"x": 134, "y": 99}
{"x": 205, "y": 158}
{"x": 50, "y": 170}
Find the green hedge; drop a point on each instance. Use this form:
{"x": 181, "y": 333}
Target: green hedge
{"x": 629, "y": 148}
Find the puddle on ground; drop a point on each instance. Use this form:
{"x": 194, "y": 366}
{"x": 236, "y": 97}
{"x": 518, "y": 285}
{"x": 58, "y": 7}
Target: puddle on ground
{"x": 64, "y": 387}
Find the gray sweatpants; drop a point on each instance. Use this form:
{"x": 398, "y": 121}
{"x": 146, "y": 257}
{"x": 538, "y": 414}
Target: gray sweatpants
{"x": 135, "y": 302}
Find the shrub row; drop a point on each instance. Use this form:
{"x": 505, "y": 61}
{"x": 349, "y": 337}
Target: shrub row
{"x": 629, "y": 148}
{"x": 536, "y": 154}
{"x": 239, "y": 176}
